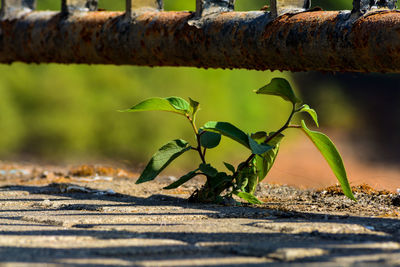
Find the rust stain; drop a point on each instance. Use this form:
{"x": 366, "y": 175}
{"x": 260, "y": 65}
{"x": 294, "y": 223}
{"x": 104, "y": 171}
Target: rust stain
{"x": 227, "y": 40}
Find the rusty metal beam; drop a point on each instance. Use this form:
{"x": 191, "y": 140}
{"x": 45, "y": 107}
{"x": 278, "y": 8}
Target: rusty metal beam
{"x": 323, "y": 41}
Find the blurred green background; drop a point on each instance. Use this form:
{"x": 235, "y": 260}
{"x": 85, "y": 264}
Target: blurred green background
{"x": 61, "y": 113}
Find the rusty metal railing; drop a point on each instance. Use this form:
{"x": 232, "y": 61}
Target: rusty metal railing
{"x": 288, "y": 37}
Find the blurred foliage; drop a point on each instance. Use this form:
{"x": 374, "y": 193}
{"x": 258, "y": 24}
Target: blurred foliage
{"x": 333, "y": 4}
{"x": 365, "y": 106}
{"x": 58, "y": 112}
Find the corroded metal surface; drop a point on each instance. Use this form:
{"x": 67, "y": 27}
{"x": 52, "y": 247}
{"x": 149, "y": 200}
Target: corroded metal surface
{"x": 324, "y": 41}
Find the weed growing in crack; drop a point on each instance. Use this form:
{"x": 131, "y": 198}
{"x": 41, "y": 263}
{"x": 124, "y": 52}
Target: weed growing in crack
{"x": 264, "y": 147}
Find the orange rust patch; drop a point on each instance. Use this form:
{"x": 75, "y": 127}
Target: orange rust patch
{"x": 313, "y": 16}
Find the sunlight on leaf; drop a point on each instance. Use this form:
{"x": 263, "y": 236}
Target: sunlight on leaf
{"x": 311, "y": 112}
{"x": 162, "y": 158}
{"x": 279, "y": 87}
{"x": 332, "y": 156}
{"x": 228, "y": 130}
{"x": 248, "y": 197}
{"x": 170, "y": 104}
{"x": 265, "y": 161}
{"x": 194, "y": 107}
{"x": 179, "y": 103}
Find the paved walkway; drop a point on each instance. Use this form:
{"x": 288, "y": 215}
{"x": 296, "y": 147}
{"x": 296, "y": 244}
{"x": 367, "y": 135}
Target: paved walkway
{"x": 70, "y": 225}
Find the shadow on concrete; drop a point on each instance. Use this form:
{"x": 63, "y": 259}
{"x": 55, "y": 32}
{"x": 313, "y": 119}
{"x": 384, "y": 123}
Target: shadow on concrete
{"x": 192, "y": 245}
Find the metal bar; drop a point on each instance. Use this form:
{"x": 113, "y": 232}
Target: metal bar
{"x": 324, "y": 41}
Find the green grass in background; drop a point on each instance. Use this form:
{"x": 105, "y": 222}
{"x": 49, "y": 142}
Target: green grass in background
{"x": 57, "y": 112}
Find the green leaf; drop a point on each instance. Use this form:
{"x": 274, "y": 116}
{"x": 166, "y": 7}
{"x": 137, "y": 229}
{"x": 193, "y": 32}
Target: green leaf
{"x": 253, "y": 178}
{"x": 248, "y": 197}
{"x": 209, "y": 139}
{"x": 228, "y": 130}
{"x": 252, "y": 184}
{"x": 220, "y": 179}
{"x": 247, "y": 179}
{"x": 162, "y": 158}
{"x": 179, "y": 103}
{"x": 279, "y": 87}
{"x": 182, "y": 180}
{"x": 265, "y": 161}
{"x": 311, "y": 112}
{"x": 332, "y": 156}
{"x": 259, "y": 137}
{"x": 243, "y": 183}
{"x": 208, "y": 170}
{"x": 194, "y": 106}
{"x": 230, "y": 167}
{"x": 276, "y": 140}
{"x": 257, "y": 148}
{"x": 170, "y": 104}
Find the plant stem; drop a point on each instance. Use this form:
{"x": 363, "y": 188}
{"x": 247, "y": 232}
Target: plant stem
{"x": 202, "y": 156}
{"x": 193, "y": 124}
{"x": 284, "y": 127}
{"x": 196, "y": 132}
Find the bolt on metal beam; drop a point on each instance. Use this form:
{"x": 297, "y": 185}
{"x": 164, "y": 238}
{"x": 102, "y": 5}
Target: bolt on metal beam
{"x": 133, "y": 6}
{"x": 10, "y": 8}
{"x": 70, "y": 6}
{"x": 364, "y": 6}
{"x": 207, "y": 7}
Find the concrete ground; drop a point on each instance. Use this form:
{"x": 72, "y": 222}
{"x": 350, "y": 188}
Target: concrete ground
{"x": 116, "y": 223}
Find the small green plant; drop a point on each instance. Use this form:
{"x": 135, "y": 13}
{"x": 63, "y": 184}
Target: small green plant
{"x": 242, "y": 180}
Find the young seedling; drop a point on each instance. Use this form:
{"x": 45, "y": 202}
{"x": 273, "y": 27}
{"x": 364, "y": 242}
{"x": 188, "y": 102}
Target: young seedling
{"x": 263, "y": 148}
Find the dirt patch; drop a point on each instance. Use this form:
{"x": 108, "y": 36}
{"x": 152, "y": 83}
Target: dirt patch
{"x": 300, "y": 164}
